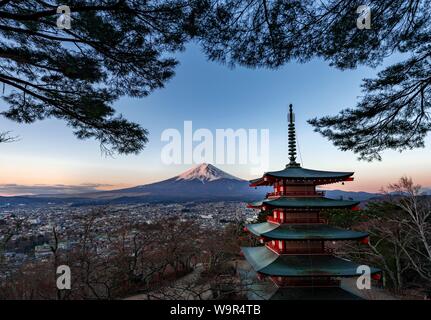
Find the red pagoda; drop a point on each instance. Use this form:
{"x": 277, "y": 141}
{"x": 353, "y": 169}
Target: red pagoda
{"x": 295, "y": 255}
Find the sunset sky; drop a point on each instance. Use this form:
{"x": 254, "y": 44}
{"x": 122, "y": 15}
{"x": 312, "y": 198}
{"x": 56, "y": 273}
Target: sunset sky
{"x": 48, "y": 158}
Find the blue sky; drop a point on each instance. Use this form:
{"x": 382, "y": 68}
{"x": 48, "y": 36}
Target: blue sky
{"x": 213, "y": 96}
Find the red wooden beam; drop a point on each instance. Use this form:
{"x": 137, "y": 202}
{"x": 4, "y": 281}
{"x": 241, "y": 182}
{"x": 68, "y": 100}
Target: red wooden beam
{"x": 376, "y": 276}
{"x": 365, "y": 240}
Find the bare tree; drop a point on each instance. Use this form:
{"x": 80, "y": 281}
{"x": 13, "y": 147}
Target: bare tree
{"x": 417, "y": 221}
{"x": 400, "y": 235}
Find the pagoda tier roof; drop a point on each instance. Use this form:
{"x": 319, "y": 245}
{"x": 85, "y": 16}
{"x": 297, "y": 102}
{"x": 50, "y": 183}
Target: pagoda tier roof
{"x": 267, "y": 262}
{"x": 305, "y": 203}
{"x": 309, "y": 231}
{"x": 299, "y": 173}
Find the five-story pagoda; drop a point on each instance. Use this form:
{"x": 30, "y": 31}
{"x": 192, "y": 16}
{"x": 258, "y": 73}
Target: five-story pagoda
{"x": 295, "y": 255}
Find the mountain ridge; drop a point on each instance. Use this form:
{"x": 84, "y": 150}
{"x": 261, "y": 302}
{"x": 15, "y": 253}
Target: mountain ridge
{"x": 204, "y": 182}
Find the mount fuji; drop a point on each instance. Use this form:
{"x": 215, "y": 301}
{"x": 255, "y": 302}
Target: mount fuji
{"x": 204, "y": 182}
{"x": 205, "y": 173}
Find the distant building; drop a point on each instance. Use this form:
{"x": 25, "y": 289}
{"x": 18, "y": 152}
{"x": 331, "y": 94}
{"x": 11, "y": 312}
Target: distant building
{"x": 42, "y": 251}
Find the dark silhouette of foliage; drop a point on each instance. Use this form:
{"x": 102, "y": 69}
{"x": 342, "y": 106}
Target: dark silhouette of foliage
{"x": 113, "y": 48}
{"x": 394, "y": 111}
{"x": 126, "y": 47}
{"x": 6, "y": 137}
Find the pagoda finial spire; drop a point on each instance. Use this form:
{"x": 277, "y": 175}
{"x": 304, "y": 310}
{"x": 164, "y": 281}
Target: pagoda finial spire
{"x": 292, "y": 138}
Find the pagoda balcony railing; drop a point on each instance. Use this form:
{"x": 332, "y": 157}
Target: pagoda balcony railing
{"x": 296, "y": 220}
{"x": 312, "y": 251}
{"x": 306, "y": 281}
{"x": 295, "y": 193}
{"x": 272, "y": 219}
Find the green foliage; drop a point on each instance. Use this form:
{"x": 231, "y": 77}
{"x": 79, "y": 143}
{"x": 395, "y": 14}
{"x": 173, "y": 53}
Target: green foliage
{"x": 344, "y": 218}
{"x": 261, "y": 217}
{"x": 382, "y": 210}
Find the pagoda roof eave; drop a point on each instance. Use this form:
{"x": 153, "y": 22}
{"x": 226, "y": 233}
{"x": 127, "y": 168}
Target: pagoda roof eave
{"x": 269, "y": 263}
{"x": 299, "y": 173}
{"x": 305, "y": 203}
{"x": 313, "y": 231}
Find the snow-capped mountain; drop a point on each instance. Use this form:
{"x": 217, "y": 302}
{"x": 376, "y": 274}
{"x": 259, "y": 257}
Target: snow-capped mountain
{"x": 204, "y": 182}
{"x": 205, "y": 173}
